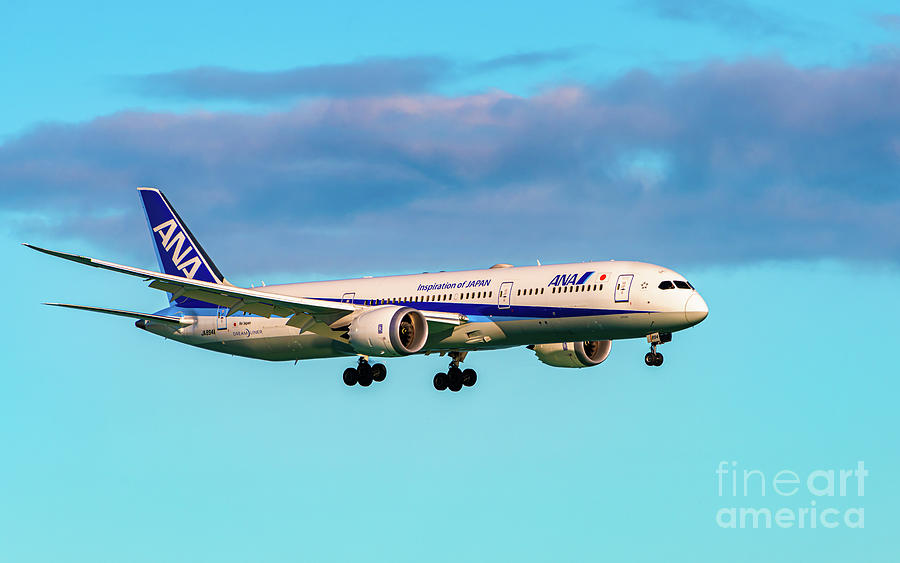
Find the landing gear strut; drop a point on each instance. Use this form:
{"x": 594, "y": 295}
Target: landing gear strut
{"x": 455, "y": 378}
{"x": 654, "y": 358}
{"x": 364, "y": 374}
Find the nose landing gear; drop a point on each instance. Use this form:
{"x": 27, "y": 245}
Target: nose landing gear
{"x": 455, "y": 379}
{"x": 364, "y": 374}
{"x": 654, "y": 358}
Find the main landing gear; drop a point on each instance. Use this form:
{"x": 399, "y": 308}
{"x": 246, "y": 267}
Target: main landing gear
{"x": 455, "y": 378}
{"x": 364, "y": 374}
{"x": 654, "y": 358}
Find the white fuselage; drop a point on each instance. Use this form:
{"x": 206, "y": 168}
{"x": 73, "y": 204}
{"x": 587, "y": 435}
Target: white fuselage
{"x": 504, "y": 306}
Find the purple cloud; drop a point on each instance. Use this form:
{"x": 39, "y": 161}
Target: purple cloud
{"x": 727, "y": 162}
{"x": 368, "y": 77}
{"x": 526, "y": 59}
{"x": 890, "y": 22}
{"x": 730, "y": 15}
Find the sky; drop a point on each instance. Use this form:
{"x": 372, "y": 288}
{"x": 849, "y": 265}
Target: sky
{"x": 751, "y": 146}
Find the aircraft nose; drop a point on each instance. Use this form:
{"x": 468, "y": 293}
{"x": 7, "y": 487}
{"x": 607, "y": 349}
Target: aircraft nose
{"x": 695, "y": 309}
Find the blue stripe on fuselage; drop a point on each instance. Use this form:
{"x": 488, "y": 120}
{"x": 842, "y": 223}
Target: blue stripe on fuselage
{"x": 486, "y": 309}
{"x": 515, "y": 312}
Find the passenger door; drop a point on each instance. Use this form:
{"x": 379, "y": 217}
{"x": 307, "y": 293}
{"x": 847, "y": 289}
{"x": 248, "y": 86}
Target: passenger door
{"x": 623, "y": 288}
{"x": 221, "y": 318}
{"x": 505, "y": 295}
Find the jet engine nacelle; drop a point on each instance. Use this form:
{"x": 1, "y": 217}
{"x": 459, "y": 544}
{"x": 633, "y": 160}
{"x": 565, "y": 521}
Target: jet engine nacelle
{"x": 389, "y": 331}
{"x": 573, "y": 354}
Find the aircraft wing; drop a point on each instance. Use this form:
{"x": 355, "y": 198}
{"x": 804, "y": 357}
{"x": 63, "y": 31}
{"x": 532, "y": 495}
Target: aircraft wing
{"x": 315, "y": 315}
{"x": 177, "y": 321}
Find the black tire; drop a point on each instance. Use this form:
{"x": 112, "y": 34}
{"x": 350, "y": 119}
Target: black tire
{"x": 350, "y": 377}
{"x": 456, "y": 378}
{"x": 440, "y": 381}
{"x": 469, "y": 377}
{"x": 659, "y": 360}
{"x": 365, "y": 378}
{"x": 364, "y": 369}
{"x": 650, "y": 359}
{"x": 379, "y": 372}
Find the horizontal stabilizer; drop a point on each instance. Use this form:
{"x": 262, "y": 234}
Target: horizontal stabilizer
{"x": 131, "y": 314}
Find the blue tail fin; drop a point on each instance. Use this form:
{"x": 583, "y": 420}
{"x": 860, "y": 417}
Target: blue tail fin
{"x": 177, "y": 250}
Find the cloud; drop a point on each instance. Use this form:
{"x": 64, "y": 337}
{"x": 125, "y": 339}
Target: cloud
{"x": 368, "y": 77}
{"x": 526, "y": 59}
{"x": 890, "y": 22}
{"x": 726, "y": 162}
{"x": 730, "y": 15}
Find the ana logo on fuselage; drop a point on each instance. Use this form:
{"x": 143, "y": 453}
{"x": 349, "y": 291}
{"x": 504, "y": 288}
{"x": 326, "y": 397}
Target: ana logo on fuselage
{"x": 172, "y": 240}
{"x": 569, "y": 279}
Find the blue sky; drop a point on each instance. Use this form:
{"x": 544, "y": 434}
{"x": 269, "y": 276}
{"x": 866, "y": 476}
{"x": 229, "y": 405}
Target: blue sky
{"x": 751, "y": 146}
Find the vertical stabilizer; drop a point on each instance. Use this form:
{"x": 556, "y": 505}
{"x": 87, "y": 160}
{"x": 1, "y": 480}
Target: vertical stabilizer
{"x": 177, "y": 250}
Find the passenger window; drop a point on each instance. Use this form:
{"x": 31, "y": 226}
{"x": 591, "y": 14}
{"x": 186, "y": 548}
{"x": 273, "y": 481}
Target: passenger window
{"x": 666, "y": 285}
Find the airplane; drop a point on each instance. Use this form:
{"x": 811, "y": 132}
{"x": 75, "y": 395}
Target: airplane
{"x": 568, "y": 314}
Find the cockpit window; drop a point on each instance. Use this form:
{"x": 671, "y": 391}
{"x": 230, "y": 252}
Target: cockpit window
{"x": 666, "y": 285}
{"x": 682, "y": 284}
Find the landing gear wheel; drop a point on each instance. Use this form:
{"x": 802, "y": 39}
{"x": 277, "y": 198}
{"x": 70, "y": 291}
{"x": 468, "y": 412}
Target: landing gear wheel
{"x": 456, "y": 378}
{"x": 653, "y": 359}
{"x": 350, "y": 377}
{"x": 469, "y": 377}
{"x": 379, "y": 372}
{"x": 365, "y": 378}
{"x": 440, "y": 381}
